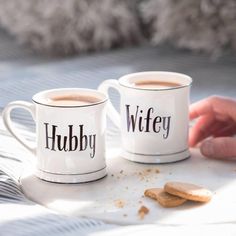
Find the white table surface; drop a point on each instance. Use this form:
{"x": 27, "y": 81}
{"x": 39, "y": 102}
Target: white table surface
{"x": 97, "y": 199}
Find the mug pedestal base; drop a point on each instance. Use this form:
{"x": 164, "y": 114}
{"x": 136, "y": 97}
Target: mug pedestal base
{"x": 155, "y": 159}
{"x": 74, "y": 178}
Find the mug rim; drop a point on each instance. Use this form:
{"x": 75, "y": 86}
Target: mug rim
{"x": 123, "y": 81}
{"x": 39, "y": 96}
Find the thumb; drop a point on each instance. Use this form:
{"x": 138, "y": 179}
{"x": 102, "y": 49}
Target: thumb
{"x": 221, "y": 148}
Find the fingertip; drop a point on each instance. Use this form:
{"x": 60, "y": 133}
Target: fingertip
{"x": 192, "y": 112}
{"x": 200, "y": 108}
{"x": 219, "y": 148}
{"x": 207, "y": 148}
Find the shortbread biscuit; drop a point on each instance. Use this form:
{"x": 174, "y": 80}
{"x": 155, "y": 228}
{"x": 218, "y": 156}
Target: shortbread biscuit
{"x": 188, "y": 191}
{"x": 165, "y": 199}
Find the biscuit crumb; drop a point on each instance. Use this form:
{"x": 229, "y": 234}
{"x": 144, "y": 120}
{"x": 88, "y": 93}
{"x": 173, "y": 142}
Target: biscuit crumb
{"x": 142, "y": 212}
{"x": 119, "y": 203}
{"x": 121, "y": 171}
{"x": 146, "y": 173}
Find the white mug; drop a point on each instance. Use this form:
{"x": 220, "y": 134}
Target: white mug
{"x": 70, "y": 139}
{"x": 153, "y": 122}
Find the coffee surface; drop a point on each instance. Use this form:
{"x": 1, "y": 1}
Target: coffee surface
{"x": 72, "y": 100}
{"x": 155, "y": 84}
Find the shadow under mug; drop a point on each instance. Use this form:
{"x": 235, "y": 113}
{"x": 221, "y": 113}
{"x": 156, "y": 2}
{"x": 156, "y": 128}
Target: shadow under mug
{"x": 153, "y": 121}
{"x": 70, "y": 139}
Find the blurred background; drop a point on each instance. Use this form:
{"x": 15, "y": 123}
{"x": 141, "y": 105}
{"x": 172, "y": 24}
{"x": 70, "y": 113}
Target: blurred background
{"x": 79, "y": 43}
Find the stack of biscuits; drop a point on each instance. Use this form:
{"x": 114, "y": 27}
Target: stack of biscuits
{"x": 176, "y": 193}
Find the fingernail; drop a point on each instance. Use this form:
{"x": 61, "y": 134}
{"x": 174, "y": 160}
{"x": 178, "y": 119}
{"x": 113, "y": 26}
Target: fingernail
{"x": 207, "y": 148}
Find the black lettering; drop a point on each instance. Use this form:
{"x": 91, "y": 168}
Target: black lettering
{"x": 131, "y": 119}
{"x": 166, "y": 126}
{"x": 72, "y": 139}
{"x": 61, "y": 143}
{"x": 148, "y": 118}
{"x": 83, "y": 139}
{"x": 92, "y": 144}
{"x": 140, "y": 122}
{"x": 156, "y": 121}
{"x": 53, "y": 137}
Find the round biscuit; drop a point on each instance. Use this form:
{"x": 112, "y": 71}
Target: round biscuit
{"x": 164, "y": 199}
{"x": 188, "y": 191}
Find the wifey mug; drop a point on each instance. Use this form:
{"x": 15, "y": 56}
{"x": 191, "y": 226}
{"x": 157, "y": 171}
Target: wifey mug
{"x": 70, "y": 133}
{"x": 153, "y": 119}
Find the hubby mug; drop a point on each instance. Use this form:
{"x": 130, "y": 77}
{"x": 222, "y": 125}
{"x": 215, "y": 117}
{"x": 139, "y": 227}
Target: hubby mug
{"x": 70, "y": 133}
{"x": 153, "y": 115}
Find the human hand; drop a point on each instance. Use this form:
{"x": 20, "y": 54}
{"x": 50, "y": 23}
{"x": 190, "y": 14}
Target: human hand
{"x": 215, "y": 127}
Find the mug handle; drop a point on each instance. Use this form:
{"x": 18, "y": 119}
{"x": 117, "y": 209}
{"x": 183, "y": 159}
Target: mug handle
{"x": 6, "y": 115}
{"x": 112, "y": 112}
